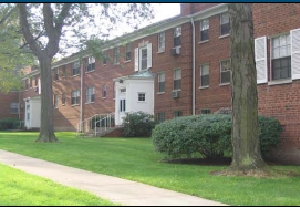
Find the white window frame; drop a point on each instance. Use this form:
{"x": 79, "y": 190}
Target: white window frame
{"x": 56, "y": 99}
{"x": 104, "y": 90}
{"x": 117, "y": 53}
{"x": 90, "y": 63}
{"x": 75, "y": 94}
{"x": 221, "y": 68}
{"x": 177, "y": 76}
{"x": 90, "y": 94}
{"x": 177, "y": 34}
{"x": 202, "y": 24}
{"x": 76, "y": 68}
{"x": 223, "y": 23}
{"x": 161, "y": 78}
{"x": 13, "y": 106}
{"x": 161, "y": 41}
{"x": 128, "y": 50}
{"x": 141, "y": 95}
{"x": 202, "y": 67}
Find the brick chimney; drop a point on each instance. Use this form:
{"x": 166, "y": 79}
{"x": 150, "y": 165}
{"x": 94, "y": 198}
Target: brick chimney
{"x": 191, "y": 8}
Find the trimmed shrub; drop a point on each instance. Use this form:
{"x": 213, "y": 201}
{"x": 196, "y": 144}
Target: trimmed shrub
{"x": 138, "y": 124}
{"x": 9, "y": 123}
{"x": 207, "y": 136}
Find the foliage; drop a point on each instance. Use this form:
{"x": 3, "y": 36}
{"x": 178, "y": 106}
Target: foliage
{"x": 135, "y": 159}
{"x": 10, "y": 123}
{"x": 207, "y": 135}
{"x": 12, "y": 55}
{"x": 138, "y": 124}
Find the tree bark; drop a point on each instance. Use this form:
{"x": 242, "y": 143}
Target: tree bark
{"x": 246, "y": 155}
{"x": 53, "y": 29}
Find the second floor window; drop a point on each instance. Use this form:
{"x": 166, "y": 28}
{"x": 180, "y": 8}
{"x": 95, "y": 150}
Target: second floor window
{"x": 204, "y": 26}
{"x": 64, "y": 71}
{"x": 177, "y": 79}
{"x": 225, "y": 71}
{"x": 56, "y": 100}
{"x": 224, "y": 24}
{"x": 104, "y": 90}
{"x": 281, "y": 57}
{"x": 144, "y": 59}
{"x": 204, "y": 75}
{"x": 75, "y": 97}
{"x": 128, "y": 52}
{"x": 177, "y": 34}
{"x": 161, "y": 82}
{"x": 161, "y": 42}
{"x": 90, "y": 65}
{"x": 76, "y": 68}
{"x": 56, "y": 74}
{"x": 90, "y": 94}
{"x": 141, "y": 97}
{"x": 117, "y": 54}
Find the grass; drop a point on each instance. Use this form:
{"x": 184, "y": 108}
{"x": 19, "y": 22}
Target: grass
{"x": 135, "y": 159}
{"x": 20, "y": 189}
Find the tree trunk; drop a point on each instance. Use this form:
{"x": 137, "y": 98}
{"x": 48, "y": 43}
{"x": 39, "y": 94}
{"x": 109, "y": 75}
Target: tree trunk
{"x": 46, "y": 130}
{"x": 246, "y": 155}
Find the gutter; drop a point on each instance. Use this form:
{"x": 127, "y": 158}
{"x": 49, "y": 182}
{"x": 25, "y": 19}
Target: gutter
{"x": 81, "y": 96}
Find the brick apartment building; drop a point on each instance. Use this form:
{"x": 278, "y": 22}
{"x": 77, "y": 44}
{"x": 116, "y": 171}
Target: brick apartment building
{"x": 179, "y": 67}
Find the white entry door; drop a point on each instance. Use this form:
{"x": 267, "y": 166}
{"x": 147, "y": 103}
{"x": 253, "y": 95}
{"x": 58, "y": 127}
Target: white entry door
{"x": 122, "y": 106}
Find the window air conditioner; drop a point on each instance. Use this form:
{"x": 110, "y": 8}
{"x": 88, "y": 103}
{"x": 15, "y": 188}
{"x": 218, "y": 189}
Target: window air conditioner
{"x": 175, "y": 94}
{"x": 175, "y": 51}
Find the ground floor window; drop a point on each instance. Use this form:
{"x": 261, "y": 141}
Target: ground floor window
{"x": 160, "y": 117}
{"x": 14, "y": 108}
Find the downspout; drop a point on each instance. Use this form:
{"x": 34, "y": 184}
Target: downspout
{"x": 81, "y": 97}
{"x": 194, "y": 67}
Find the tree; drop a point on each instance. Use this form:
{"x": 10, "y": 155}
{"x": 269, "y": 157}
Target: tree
{"x": 45, "y": 25}
{"x": 246, "y": 156}
{"x": 12, "y": 55}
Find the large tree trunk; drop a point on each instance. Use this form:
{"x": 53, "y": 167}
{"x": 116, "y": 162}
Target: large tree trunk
{"x": 46, "y": 130}
{"x": 246, "y": 155}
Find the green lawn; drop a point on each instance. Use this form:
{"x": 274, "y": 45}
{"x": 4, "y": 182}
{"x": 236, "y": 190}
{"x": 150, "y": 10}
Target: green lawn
{"x": 135, "y": 159}
{"x": 20, "y": 189}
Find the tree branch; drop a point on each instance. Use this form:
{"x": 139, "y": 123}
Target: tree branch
{"x": 48, "y": 18}
{"x": 7, "y": 15}
{"x": 25, "y": 29}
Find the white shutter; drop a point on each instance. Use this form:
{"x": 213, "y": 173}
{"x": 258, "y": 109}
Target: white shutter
{"x": 295, "y": 53}
{"x": 149, "y": 55}
{"x": 140, "y": 58}
{"x": 136, "y": 59}
{"x": 261, "y": 60}
{"x": 40, "y": 86}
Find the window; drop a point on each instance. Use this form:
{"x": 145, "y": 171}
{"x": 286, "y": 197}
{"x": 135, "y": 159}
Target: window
{"x": 224, "y": 24}
{"x": 144, "y": 59}
{"x": 141, "y": 97}
{"x": 225, "y": 71}
{"x": 104, "y": 90}
{"x": 56, "y": 74}
{"x": 177, "y": 114}
{"x": 128, "y": 52}
{"x": 177, "y": 79}
{"x": 204, "y": 26}
{"x": 35, "y": 67}
{"x": 64, "y": 71}
{"x": 122, "y": 105}
{"x": 56, "y": 100}
{"x": 161, "y": 42}
{"x": 160, "y": 117}
{"x": 117, "y": 54}
{"x": 63, "y": 99}
{"x": 104, "y": 58}
{"x": 76, "y": 68}
{"x": 90, "y": 94}
{"x": 204, "y": 111}
{"x": 14, "y": 108}
{"x": 26, "y": 84}
{"x": 281, "y": 57}
{"x": 90, "y": 65}
{"x": 30, "y": 82}
{"x": 177, "y": 34}
{"x": 161, "y": 82}
{"x": 204, "y": 75}
{"x": 75, "y": 97}
{"x": 36, "y": 80}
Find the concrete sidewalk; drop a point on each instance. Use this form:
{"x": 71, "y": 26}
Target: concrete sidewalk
{"x": 121, "y": 191}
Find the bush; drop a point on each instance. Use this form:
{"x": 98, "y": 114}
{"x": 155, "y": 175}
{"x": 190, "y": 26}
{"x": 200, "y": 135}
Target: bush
{"x": 9, "y": 123}
{"x": 207, "y": 136}
{"x": 138, "y": 124}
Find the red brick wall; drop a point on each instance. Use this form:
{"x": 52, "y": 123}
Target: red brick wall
{"x": 280, "y": 101}
{"x": 5, "y": 100}
{"x": 191, "y": 8}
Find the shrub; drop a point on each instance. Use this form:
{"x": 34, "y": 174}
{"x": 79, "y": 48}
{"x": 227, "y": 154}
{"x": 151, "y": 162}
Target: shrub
{"x": 138, "y": 124}
{"x": 207, "y": 135}
{"x": 9, "y": 123}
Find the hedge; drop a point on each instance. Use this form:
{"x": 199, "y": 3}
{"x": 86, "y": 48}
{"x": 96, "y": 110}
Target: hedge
{"x": 10, "y": 123}
{"x": 208, "y": 136}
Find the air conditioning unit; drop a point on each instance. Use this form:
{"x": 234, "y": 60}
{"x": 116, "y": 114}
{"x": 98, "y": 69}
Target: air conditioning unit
{"x": 175, "y": 51}
{"x": 175, "y": 94}
{"x": 35, "y": 88}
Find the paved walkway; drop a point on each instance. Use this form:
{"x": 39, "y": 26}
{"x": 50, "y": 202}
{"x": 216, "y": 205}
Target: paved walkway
{"x": 121, "y": 191}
